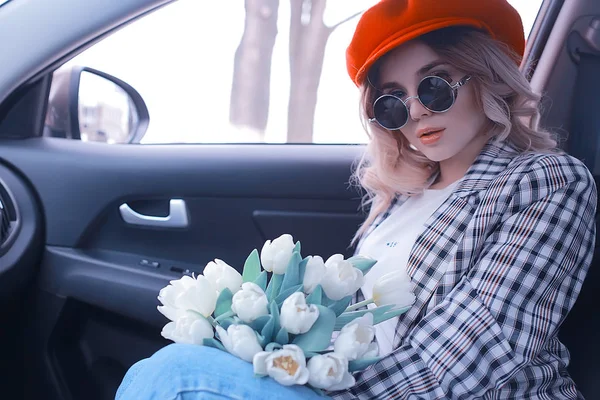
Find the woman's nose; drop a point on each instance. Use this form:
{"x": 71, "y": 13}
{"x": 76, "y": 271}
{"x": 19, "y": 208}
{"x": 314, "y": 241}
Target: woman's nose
{"x": 416, "y": 110}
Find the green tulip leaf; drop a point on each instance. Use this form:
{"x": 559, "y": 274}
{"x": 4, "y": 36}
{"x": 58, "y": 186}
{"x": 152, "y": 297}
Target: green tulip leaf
{"x": 319, "y": 336}
{"x": 326, "y": 301}
{"x": 268, "y": 330}
{"x": 298, "y": 247}
{"x": 359, "y": 365}
{"x": 352, "y": 315}
{"x": 274, "y": 286}
{"x": 273, "y": 346}
{"x": 362, "y": 263}
{"x": 223, "y": 302}
{"x": 227, "y": 322}
{"x": 259, "y": 323}
{"x": 284, "y": 294}
{"x": 251, "y": 267}
{"x": 292, "y": 274}
{"x": 317, "y": 391}
{"x": 302, "y": 269}
{"x": 389, "y": 314}
{"x": 316, "y": 296}
{"x": 212, "y": 342}
{"x": 274, "y": 310}
{"x": 340, "y": 306}
{"x": 223, "y": 316}
{"x": 282, "y": 337}
{"x": 261, "y": 280}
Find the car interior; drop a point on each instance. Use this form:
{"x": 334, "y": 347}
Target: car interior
{"x": 80, "y": 266}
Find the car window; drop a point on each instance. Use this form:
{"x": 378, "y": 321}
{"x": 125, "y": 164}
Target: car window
{"x": 269, "y": 72}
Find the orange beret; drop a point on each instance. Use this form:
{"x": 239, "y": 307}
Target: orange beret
{"x": 390, "y": 23}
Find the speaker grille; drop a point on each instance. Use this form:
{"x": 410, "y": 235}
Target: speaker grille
{"x": 7, "y": 216}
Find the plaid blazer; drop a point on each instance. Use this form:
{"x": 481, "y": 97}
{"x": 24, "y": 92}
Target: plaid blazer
{"x": 495, "y": 272}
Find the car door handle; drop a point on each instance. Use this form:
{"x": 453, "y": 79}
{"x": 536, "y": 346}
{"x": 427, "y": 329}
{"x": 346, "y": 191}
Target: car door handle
{"x": 177, "y": 218}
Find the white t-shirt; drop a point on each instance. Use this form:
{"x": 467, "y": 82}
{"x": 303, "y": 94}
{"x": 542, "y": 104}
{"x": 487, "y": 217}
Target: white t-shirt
{"x": 390, "y": 244}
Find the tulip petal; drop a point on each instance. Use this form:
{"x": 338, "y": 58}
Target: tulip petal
{"x": 340, "y": 306}
{"x": 319, "y": 336}
{"x": 251, "y": 267}
{"x": 169, "y": 312}
{"x": 274, "y": 286}
{"x": 261, "y": 280}
{"x": 347, "y": 382}
{"x": 316, "y": 296}
{"x": 291, "y": 277}
{"x": 223, "y": 302}
{"x": 302, "y": 377}
{"x": 259, "y": 363}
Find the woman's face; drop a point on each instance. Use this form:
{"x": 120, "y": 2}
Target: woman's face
{"x": 457, "y": 133}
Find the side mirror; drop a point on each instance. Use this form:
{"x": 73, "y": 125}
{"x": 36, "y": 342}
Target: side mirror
{"x": 91, "y": 105}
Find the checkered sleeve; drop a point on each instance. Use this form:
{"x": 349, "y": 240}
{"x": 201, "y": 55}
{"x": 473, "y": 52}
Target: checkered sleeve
{"x": 520, "y": 288}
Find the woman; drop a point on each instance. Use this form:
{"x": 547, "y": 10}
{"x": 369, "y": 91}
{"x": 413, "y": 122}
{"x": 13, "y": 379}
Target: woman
{"x": 494, "y": 226}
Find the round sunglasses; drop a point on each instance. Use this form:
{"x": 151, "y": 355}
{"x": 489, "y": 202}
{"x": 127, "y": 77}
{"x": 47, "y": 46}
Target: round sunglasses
{"x": 434, "y": 93}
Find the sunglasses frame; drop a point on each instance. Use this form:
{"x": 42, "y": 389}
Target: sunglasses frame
{"x": 453, "y": 89}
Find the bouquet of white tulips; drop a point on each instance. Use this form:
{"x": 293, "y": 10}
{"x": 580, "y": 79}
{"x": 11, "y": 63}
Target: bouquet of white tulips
{"x": 298, "y": 326}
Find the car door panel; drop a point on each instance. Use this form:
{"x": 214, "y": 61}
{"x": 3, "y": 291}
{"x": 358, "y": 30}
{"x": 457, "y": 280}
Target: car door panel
{"x": 99, "y": 276}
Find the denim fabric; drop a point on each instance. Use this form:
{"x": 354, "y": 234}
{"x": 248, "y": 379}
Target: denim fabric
{"x": 188, "y": 372}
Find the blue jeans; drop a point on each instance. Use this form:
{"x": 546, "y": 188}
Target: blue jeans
{"x": 189, "y": 372}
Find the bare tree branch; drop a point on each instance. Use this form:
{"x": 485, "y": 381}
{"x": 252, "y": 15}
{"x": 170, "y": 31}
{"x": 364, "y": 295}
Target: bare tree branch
{"x": 346, "y": 20}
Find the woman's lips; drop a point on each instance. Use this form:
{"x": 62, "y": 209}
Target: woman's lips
{"x": 431, "y": 137}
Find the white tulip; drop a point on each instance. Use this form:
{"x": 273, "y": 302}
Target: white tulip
{"x": 393, "y": 288}
{"x": 222, "y": 276}
{"x": 355, "y": 340}
{"x": 296, "y": 316}
{"x": 189, "y": 328}
{"x": 315, "y": 270}
{"x": 196, "y": 294}
{"x": 329, "y": 371}
{"x": 250, "y": 302}
{"x": 275, "y": 256}
{"x": 287, "y": 366}
{"x": 240, "y": 340}
{"x": 341, "y": 278}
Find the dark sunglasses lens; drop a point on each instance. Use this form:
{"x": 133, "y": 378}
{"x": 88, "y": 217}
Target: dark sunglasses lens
{"x": 390, "y": 112}
{"x": 436, "y": 94}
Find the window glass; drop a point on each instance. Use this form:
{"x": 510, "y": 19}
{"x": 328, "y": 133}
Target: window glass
{"x": 254, "y": 71}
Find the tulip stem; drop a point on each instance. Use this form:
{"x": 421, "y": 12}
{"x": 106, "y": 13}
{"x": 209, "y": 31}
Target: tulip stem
{"x": 211, "y": 320}
{"x": 360, "y": 304}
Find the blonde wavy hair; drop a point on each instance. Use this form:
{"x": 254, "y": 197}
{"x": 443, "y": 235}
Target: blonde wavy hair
{"x": 390, "y": 167}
